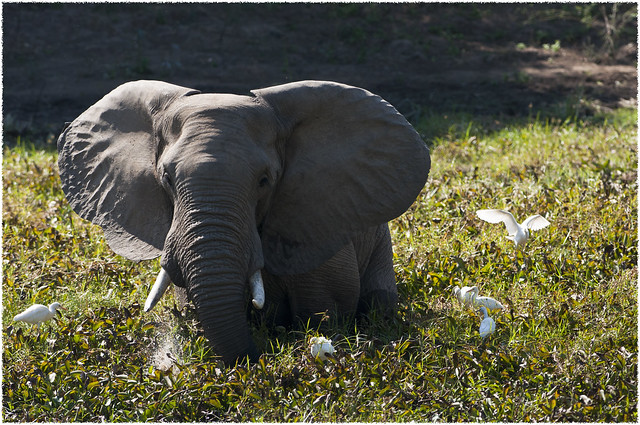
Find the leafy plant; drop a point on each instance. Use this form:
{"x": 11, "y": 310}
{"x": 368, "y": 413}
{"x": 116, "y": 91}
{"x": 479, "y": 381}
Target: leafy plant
{"x": 565, "y": 347}
{"x": 555, "y": 47}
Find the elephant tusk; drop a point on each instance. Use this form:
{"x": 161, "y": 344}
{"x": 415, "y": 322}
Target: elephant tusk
{"x": 159, "y": 287}
{"x": 257, "y": 290}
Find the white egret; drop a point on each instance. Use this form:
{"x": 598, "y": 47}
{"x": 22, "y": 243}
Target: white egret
{"x": 468, "y": 296}
{"x": 38, "y": 313}
{"x": 488, "y": 325}
{"x": 320, "y": 347}
{"x": 518, "y": 233}
{"x": 490, "y": 303}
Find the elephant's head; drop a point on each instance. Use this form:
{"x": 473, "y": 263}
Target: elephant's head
{"x": 222, "y": 186}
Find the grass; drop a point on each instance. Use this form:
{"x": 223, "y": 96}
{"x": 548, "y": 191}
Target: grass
{"x": 565, "y": 347}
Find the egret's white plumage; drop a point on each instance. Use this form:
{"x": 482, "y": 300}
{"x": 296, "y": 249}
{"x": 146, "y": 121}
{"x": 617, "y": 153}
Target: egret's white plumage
{"x": 320, "y": 347}
{"x": 488, "y": 325}
{"x": 468, "y": 296}
{"x": 490, "y": 303}
{"x": 38, "y": 313}
{"x": 518, "y": 233}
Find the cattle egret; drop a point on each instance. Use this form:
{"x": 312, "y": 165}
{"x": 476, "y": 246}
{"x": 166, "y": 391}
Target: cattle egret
{"x": 518, "y": 233}
{"x": 38, "y": 313}
{"x": 468, "y": 296}
{"x": 320, "y": 347}
{"x": 488, "y": 302}
{"x": 488, "y": 325}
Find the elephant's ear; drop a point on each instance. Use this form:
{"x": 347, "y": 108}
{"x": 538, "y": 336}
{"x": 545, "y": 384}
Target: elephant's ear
{"x": 107, "y": 161}
{"x": 351, "y": 162}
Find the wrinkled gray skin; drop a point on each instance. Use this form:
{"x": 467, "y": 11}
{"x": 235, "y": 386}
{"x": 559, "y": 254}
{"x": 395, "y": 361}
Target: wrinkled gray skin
{"x": 297, "y": 180}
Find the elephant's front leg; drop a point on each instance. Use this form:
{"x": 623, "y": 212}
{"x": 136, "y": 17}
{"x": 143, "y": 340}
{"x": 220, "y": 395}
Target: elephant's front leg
{"x": 378, "y": 288}
{"x": 334, "y": 287}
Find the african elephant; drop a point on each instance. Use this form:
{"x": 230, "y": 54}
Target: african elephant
{"x": 290, "y": 187}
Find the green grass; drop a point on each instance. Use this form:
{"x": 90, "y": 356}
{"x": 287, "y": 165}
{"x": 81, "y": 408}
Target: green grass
{"x": 565, "y": 347}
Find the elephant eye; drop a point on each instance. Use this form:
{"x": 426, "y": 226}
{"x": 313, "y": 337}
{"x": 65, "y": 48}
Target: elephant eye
{"x": 166, "y": 180}
{"x": 264, "y": 181}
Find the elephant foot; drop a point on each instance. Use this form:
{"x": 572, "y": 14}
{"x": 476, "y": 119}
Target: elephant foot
{"x": 378, "y": 301}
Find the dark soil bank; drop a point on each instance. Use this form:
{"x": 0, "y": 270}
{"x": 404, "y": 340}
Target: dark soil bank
{"x": 498, "y": 59}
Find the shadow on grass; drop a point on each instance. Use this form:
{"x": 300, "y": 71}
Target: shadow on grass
{"x": 435, "y": 126}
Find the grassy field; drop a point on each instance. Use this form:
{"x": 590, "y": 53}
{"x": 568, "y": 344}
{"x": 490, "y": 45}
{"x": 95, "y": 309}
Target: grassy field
{"x": 565, "y": 346}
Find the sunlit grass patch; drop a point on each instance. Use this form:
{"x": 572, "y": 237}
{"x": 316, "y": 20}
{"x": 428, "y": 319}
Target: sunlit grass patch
{"x": 579, "y": 175}
{"x": 564, "y": 349}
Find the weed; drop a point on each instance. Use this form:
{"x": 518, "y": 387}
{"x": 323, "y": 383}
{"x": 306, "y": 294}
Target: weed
{"x": 565, "y": 347}
{"x": 555, "y": 47}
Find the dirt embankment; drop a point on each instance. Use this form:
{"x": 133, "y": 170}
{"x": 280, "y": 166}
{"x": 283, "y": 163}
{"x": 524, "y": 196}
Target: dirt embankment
{"x": 482, "y": 58}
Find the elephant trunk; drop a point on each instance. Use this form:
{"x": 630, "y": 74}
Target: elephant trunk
{"x": 217, "y": 254}
{"x": 219, "y": 296}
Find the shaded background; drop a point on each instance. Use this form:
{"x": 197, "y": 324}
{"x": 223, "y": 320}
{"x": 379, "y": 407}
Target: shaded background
{"x": 487, "y": 59}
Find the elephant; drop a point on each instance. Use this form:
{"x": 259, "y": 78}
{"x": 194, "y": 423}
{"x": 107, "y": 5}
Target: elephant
{"x": 282, "y": 195}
